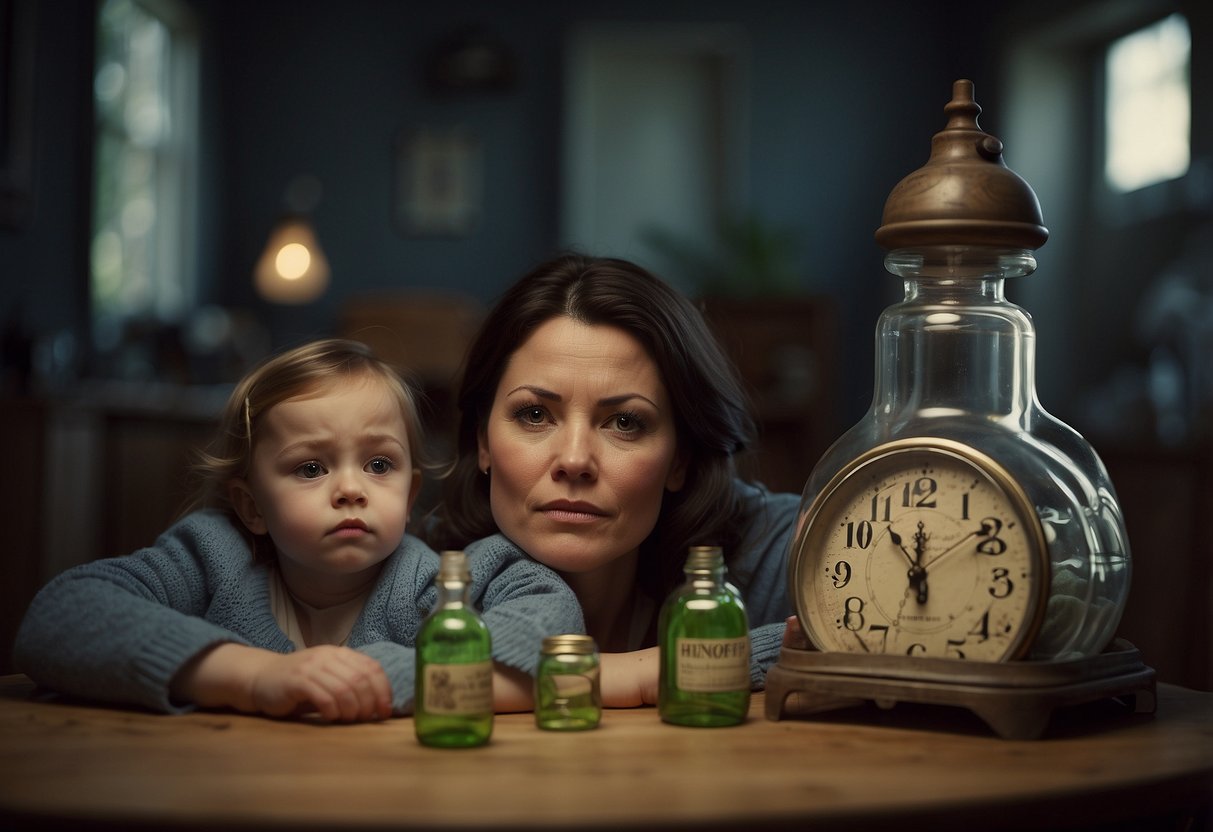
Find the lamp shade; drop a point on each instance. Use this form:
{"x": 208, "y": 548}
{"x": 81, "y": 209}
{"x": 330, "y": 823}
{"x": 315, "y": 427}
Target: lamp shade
{"x": 293, "y": 268}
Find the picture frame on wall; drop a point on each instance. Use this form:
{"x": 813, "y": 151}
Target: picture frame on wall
{"x": 16, "y": 112}
{"x": 438, "y": 182}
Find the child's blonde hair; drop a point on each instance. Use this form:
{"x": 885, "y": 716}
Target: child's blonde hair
{"x": 286, "y": 376}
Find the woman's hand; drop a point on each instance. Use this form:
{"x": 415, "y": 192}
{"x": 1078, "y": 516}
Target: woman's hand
{"x": 629, "y": 680}
{"x": 793, "y": 636}
{"x": 513, "y": 690}
{"x": 335, "y": 683}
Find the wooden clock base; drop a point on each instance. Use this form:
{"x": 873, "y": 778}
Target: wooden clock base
{"x": 1015, "y": 699}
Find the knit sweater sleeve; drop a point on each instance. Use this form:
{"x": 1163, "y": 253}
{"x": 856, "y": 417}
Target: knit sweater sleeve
{"x": 119, "y": 629}
{"x": 520, "y": 600}
{"x": 759, "y": 568}
{"x": 523, "y": 601}
{"x": 387, "y": 629}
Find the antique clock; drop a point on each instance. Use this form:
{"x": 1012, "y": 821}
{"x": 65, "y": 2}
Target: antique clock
{"x": 959, "y": 545}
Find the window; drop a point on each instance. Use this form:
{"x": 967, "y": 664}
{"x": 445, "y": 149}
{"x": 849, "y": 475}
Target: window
{"x": 1149, "y": 106}
{"x": 145, "y": 94}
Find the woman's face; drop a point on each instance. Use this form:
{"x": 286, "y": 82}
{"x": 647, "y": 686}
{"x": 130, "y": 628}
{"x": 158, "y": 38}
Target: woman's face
{"x": 581, "y": 446}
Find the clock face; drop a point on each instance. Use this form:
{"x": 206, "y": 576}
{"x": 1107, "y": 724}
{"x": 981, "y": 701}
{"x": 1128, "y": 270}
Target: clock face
{"x": 921, "y": 547}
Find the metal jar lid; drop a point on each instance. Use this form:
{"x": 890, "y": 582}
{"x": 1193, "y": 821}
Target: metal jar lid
{"x": 576, "y": 644}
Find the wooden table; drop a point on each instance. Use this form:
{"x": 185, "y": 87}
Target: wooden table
{"x": 906, "y": 768}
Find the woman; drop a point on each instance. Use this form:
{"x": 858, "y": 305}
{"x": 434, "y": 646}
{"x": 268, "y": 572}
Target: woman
{"x": 599, "y": 420}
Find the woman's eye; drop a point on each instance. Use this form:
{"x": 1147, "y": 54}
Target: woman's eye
{"x": 627, "y": 423}
{"x": 531, "y": 415}
{"x": 310, "y": 470}
{"x": 379, "y": 465}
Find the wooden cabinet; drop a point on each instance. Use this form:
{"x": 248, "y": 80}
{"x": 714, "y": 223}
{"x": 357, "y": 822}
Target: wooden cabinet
{"x": 22, "y": 434}
{"x": 785, "y": 350}
{"x": 100, "y": 473}
{"x": 1166, "y": 495}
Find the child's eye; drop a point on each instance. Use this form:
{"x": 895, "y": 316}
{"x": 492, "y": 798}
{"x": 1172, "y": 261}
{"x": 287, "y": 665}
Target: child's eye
{"x": 310, "y": 470}
{"x": 531, "y": 414}
{"x": 380, "y": 465}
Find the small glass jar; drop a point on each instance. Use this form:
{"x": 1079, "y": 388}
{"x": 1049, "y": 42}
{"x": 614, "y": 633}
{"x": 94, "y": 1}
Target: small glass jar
{"x": 567, "y": 693}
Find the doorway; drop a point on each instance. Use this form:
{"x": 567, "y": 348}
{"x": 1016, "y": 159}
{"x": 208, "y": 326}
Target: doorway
{"x": 655, "y": 139}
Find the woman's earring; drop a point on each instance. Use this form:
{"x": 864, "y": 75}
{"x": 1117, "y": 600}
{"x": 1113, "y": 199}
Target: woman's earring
{"x": 485, "y": 471}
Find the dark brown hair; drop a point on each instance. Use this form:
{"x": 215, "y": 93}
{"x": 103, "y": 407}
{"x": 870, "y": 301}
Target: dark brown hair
{"x": 712, "y": 418}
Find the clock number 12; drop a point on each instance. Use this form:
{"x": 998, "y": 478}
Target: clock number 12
{"x": 919, "y": 495}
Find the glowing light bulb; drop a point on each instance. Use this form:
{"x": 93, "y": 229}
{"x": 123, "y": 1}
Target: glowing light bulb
{"x": 293, "y": 261}
{"x": 293, "y": 268}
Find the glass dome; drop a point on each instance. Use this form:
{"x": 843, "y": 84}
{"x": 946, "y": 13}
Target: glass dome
{"x": 956, "y": 359}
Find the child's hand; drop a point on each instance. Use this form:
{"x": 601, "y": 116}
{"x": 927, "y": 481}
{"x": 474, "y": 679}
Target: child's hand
{"x": 336, "y": 683}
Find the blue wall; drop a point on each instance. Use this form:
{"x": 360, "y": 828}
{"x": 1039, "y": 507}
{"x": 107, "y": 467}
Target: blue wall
{"x": 843, "y": 100}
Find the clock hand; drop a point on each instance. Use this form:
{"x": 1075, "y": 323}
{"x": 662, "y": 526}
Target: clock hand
{"x": 918, "y": 572}
{"x": 982, "y": 532}
{"x": 917, "y": 575}
{"x": 896, "y": 538}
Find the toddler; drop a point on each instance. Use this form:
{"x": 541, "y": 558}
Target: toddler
{"x": 292, "y": 587}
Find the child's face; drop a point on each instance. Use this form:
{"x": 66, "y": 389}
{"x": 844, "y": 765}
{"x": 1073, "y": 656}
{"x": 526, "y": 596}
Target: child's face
{"x": 332, "y": 482}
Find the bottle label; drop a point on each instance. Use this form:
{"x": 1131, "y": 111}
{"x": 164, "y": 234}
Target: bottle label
{"x": 458, "y": 689}
{"x": 713, "y": 665}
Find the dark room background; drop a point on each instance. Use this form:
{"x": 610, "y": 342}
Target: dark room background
{"x": 830, "y": 104}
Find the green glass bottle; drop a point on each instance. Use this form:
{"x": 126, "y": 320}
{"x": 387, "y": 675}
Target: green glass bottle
{"x": 453, "y": 704}
{"x": 704, "y": 635}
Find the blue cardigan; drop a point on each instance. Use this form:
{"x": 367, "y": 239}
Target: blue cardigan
{"x": 758, "y": 567}
{"x": 119, "y": 629}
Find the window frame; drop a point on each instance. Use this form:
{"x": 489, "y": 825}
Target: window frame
{"x": 1123, "y": 208}
{"x": 175, "y": 248}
